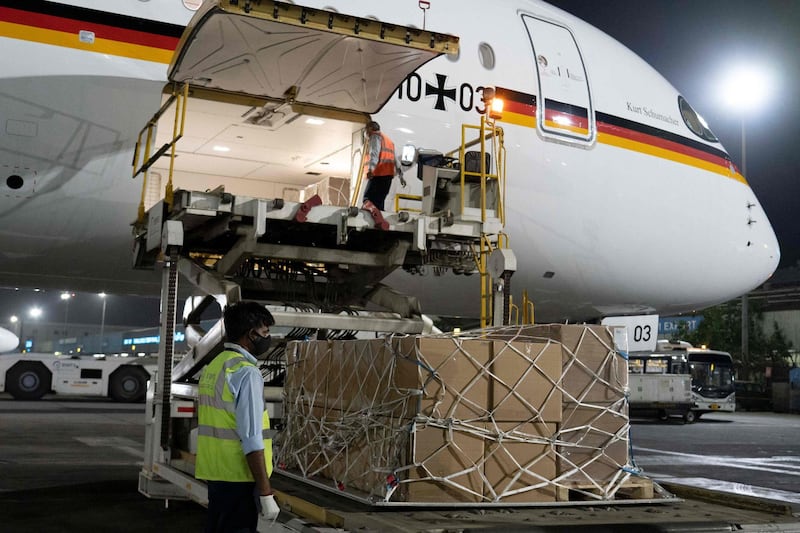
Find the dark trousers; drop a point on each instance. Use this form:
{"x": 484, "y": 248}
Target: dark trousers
{"x": 377, "y": 189}
{"x": 232, "y": 507}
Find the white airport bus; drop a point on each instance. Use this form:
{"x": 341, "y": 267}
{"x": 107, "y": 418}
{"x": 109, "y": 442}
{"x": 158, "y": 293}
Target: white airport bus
{"x": 712, "y": 381}
{"x": 712, "y": 377}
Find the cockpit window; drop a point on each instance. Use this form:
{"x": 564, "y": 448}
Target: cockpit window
{"x": 695, "y": 122}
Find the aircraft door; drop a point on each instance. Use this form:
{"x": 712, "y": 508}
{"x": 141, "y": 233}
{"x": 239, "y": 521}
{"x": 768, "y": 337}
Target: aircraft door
{"x": 564, "y": 106}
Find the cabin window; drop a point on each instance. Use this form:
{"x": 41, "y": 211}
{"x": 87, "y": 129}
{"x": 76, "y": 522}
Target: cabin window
{"x": 694, "y": 121}
{"x": 486, "y": 55}
{"x": 15, "y": 182}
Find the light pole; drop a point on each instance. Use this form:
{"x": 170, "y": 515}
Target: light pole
{"x": 34, "y": 312}
{"x": 102, "y": 322}
{"x": 14, "y": 319}
{"x": 745, "y": 90}
{"x": 65, "y": 296}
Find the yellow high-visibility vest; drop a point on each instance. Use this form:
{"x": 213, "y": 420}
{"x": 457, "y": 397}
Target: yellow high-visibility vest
{"x": 219, "y": 451}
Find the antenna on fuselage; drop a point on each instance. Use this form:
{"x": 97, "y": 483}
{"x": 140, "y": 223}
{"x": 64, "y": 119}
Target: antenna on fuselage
{"x": 424, "y": 5}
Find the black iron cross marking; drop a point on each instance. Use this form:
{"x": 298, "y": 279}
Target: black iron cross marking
{"x": 440, "y": 92}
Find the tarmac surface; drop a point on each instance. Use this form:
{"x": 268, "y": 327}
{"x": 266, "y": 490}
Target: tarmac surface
{"x": 73, "y": 466}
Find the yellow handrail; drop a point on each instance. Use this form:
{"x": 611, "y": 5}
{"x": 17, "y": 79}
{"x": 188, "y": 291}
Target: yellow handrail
{"x": 178, "y": 97}
{"x": 403, "y": 196}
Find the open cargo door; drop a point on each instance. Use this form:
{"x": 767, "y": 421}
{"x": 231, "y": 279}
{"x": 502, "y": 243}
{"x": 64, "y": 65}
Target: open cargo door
{"x": 277, "y": 95}
{"x": 282, "y": 51}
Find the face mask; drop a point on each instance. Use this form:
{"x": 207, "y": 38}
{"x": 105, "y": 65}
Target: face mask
{"x": 261, "y": 344}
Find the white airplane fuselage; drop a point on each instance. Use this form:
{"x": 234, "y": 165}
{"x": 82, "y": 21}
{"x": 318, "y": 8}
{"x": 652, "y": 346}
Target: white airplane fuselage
{"x": 615, "y": 206}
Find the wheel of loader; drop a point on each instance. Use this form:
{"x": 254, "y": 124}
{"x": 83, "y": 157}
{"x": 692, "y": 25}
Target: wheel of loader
{"x": 28, "y": 380}
{"x": 128, "y": 384}
{"x": 690, "y": 417}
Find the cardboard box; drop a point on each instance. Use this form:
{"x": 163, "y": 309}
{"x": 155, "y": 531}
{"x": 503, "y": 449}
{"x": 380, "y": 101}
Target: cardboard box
{"x": 363, "y": 452}
{"x": 450, "y": 372}
{"x": 308, "y": 365}
{"x": 384, "y": 458}
{"x": 335, "y": 191}
{"x": 593, "y": 371}
{"x": 331, "y": 190}
{"x": 446, "y": 465}
{"x": 520, "y": 457}
{"x": 299, "y": 446}
{"x": 593, "y": 442}
{"x": 367, "y": 373}
{"x": 358, "y": 375}
{"x": 525, "y": 378}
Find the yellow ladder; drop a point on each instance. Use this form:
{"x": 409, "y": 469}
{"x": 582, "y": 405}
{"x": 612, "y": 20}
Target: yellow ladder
{"x": 487, "y": 131}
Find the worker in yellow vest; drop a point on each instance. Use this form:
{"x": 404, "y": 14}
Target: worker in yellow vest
{"x": 381, "y": 164}
{"x": 234, "y": 448}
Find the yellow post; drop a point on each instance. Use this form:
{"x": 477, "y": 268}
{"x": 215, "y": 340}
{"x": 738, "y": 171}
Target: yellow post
{"x": 148, "y": 141}
{"x": 177, "y": 133}
{"x": 513, "y": 312}
{"x": 462, "y": 150}
{"x": 527, "y": 308}
{"x": 483, "y": 168}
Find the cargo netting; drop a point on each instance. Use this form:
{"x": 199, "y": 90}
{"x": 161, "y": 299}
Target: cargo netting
{"x": 520, "y": 415}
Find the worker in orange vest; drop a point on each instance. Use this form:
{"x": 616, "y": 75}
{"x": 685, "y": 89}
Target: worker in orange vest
{"x": 381, "y": 164}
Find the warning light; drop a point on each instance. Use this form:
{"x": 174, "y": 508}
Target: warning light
{"x": 496, "y": 111}
{"x": 493, "y": 106}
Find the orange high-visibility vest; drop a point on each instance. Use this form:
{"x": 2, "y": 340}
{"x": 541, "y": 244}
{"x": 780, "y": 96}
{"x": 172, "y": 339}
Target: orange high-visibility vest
{"x": 385, "y": 165}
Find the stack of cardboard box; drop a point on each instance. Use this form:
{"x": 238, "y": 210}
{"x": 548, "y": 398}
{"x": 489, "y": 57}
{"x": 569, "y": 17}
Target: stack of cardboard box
{"x": 593, "y": 445}
{"x": 498, "y": 417}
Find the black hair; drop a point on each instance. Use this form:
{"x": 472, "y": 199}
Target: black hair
{"x": 373, "y": 126}
{"x": 241, "y": 317}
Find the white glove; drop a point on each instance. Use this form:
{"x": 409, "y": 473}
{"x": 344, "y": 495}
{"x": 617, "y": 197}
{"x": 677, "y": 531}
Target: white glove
{"x": 269, "y": 507}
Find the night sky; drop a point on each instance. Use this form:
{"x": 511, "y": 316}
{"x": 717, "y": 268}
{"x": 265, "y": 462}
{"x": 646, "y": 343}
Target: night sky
{"x": 693, "y": 43}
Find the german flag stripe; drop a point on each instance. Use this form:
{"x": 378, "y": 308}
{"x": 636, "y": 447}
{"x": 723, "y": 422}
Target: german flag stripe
{"x": 60, "y": 25}
{"x": 567, "y": 117}
{"x": 520, "y": 119}
{"x": 520, "y": 109}
{"x": 510, "y": 95}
